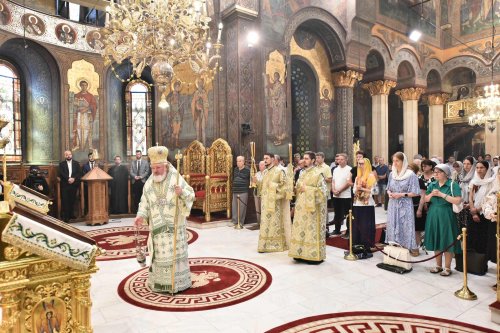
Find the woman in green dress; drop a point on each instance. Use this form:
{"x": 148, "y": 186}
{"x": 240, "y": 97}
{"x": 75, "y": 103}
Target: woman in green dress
{"x": 441, "y": 228}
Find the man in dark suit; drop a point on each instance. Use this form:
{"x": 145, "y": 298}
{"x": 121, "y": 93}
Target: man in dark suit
{"x": 139, "y": 171}
{"x": 87, "y": 167}
{"x": 70, "y": 174}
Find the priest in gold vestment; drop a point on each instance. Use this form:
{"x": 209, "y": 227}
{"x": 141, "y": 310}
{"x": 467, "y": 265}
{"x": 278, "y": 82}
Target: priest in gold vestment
{"x": 309, "y": 222}
{"x": 162, "y": 200}
{"x": 275, "y": 223}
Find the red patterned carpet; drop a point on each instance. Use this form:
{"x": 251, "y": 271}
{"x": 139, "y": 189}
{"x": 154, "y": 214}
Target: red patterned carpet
{"x": 377, "y": 322}
{"x": 119, "y": 242}
{"x": 217, "y": 282}
{"x": 341, "y": 243}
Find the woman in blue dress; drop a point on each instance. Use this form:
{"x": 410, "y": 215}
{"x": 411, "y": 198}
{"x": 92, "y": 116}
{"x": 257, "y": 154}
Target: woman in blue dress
{"x": 402, "y": 186}
{"x": 441, "y": 227}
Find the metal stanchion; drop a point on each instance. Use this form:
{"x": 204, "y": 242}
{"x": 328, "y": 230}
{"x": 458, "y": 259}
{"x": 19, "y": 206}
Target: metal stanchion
{"x": 465, "y": 293}
{"x": 238, "y": 225}
{"x": 351, "y": 255}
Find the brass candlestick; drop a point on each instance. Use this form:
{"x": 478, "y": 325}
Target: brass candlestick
{"x": 178, "y": 158}
{"x": 465, "y": 293}
{"x": 253, "y": 168}
{"x": 351, "y": 256}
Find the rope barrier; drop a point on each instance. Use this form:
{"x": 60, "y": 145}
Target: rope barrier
{"x": 381, "y": 249}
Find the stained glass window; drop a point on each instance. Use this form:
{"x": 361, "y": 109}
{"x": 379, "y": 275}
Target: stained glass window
{"x": 139, "y": 117}
{"x": 10, "y": 109}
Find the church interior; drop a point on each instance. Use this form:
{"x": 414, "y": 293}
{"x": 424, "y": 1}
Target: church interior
{"x": 103, "y": 81}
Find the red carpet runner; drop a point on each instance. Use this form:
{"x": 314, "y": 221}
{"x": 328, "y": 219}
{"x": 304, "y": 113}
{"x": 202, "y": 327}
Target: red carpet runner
{"x": 377, "y": 322}
{"x": 119, "y": 242}
{"x": 217, "y": 282}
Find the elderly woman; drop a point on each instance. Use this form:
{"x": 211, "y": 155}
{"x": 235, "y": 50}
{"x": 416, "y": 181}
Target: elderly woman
{"x": 463, "y": 180}
{"x": 479, "y": 187}
{"x": 402, "y": 186}
{"x": 363, "y": 231}
{"x": 441, "y": 227}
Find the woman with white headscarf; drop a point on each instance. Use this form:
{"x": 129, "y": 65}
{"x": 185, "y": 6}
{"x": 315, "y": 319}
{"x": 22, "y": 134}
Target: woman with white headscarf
{"x": 402, "y": 186}
{"x": 463, "y": 180}
{"x": 441, "y": 227}
{"x": 479, "y": 187}
{"x": 489, "y": 207}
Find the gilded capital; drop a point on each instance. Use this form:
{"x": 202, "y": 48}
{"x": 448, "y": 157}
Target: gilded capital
{"x": 346, "y": 78}
{"x": 379, "y": 87}
{"x": 410, "y": 94}
{"x": 438, "y": 99}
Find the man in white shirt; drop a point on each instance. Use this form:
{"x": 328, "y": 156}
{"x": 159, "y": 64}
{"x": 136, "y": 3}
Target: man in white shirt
{"x": 341, "y": 190}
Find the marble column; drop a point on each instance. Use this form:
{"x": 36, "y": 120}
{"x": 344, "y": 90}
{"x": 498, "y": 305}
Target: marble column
{"x": 344, "y": 82}
{"x": 379, "y": 90}
{"x": 436, "y": 102}
{"x": 410, "y": 97}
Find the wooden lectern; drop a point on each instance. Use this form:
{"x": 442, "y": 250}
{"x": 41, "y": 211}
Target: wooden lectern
{"x": 97, "y": 193}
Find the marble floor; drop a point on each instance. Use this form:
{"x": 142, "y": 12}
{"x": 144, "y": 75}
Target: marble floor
{"x": 297, "y": 290}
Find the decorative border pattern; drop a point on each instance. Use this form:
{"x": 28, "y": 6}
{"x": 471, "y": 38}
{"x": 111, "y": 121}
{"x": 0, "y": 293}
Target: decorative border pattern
{"x": 30, "y": 200}
{"x": 48, "y": 35}
{"x": 48, "y": 243}
{"x": 371, "y": 321}
{"x": 126, "y": 253}
{"x": 251, "y": 280}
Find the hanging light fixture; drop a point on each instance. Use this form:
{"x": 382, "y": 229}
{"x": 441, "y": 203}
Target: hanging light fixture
{"x": 489, "y": 103}
{"x": 161, "y": 35}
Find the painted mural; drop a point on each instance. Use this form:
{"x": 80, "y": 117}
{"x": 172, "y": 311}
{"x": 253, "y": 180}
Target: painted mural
{"x": 475, "y": 15}
{"x": 190, "y": 114}
{"x": 398, "y": 11}
{"x": 276, "y": 97}
{"x": 83, "y": 106}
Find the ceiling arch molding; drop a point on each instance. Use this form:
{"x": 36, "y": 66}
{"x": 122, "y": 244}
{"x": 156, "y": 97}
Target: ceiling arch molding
{"x": 324, "y": 25}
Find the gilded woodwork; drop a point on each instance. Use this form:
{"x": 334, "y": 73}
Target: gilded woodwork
{"x": 379, "y": 87}
{"x": 438, "y": 99}
{"x": 452, "y": 111}
{"x": 194, "y": 158}
{"x": 410, "y": 94}
{"x": 346, "y": 78}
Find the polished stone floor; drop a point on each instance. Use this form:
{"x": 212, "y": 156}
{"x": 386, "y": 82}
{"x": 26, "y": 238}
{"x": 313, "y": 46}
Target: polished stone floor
{"x": 297, "y": 290}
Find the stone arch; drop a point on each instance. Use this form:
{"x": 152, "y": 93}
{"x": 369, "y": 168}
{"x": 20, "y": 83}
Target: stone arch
{"x": 407, "y": 55}
{"x": 472, "y": 63}
{"x": 433, "y": 81}
{"x": 378, "y": 45}
{"x": 324, "y": 25}
{"x": 406, "y": 75}
{"x": 375, "y": 67}
{"x": 41, "y": 108}
{"x": 432, "y": 64}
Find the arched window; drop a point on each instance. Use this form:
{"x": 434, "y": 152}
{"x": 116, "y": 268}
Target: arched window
{"x": 139, "y": 117}
{"x": 10, "y": 109}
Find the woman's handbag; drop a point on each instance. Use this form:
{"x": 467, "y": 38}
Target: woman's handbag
{"x": 395, "y": 252}
{"x": 456, "y": 208}
{"x": 477, "y": 263}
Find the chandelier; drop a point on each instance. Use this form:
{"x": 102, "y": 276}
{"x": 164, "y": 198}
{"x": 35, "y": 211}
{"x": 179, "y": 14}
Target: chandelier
{"x": 161, "y": 34}
{"x": 491, "y": 98}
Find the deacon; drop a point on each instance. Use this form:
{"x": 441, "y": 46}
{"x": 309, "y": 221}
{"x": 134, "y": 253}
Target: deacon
{"x": 275, "y": 223}
{"x": 118, "y": 187}
{"x": 165, "y": 203}
{"x": 309, "y": 223}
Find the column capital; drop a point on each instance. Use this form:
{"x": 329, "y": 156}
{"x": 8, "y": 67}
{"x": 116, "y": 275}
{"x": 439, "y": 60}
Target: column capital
{"x": 410, "y": 94}
{"x": 438, "y": 99}
{"x": 346, "y": 78}
{"x": 379, "y": 87}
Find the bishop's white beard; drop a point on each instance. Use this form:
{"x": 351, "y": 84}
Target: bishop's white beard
{"x": 159, "y": 178}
